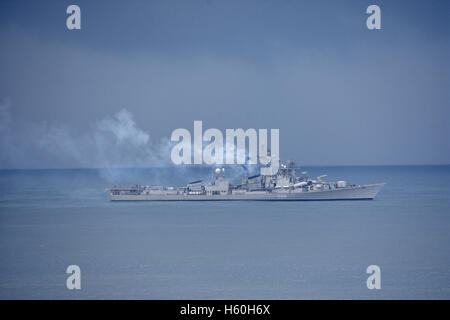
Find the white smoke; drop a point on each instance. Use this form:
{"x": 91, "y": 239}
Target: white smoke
{"x": 123, "y": 127}
{"x": 114, "y": 142}
{"x": 111, "y": 143}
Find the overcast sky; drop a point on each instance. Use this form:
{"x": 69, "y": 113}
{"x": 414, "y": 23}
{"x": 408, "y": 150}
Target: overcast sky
{"x": 339, "y": 93}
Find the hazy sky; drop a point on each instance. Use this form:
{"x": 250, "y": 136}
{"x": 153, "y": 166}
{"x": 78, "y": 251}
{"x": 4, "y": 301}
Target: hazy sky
{"x": 112, "y": 93}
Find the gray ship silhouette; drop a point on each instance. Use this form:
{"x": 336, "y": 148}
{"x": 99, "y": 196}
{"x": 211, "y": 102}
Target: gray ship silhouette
{"x": 283, "y": 186}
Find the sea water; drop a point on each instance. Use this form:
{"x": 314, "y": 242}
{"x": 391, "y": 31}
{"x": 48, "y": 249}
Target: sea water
{"x": 50, "y": 219}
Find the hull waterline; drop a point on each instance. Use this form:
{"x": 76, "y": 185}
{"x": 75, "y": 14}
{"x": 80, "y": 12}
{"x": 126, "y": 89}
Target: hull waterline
{"x": 363, "y": 192}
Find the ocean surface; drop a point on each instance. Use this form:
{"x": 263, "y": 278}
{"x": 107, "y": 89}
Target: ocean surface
{"x": 50, "y": 219}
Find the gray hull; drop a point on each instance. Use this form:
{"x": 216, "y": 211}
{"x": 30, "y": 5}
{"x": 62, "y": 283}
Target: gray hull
{"x": 364, "y": 192}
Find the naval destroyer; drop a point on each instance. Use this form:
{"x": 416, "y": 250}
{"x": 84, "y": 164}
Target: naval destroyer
{"x": 284, "y": 185}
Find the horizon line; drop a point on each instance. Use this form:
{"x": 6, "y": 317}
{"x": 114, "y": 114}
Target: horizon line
{"x": 212, "y": 166}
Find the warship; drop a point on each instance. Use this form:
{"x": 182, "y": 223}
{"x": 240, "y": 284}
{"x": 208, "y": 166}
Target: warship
{"x": 285, "y": 185}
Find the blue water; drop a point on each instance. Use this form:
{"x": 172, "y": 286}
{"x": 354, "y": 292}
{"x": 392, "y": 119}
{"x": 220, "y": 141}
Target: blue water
{"x": 50, "y": 219}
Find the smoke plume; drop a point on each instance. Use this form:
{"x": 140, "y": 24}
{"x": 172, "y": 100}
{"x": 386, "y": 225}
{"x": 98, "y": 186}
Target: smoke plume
{"x": 112, "y": 143}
